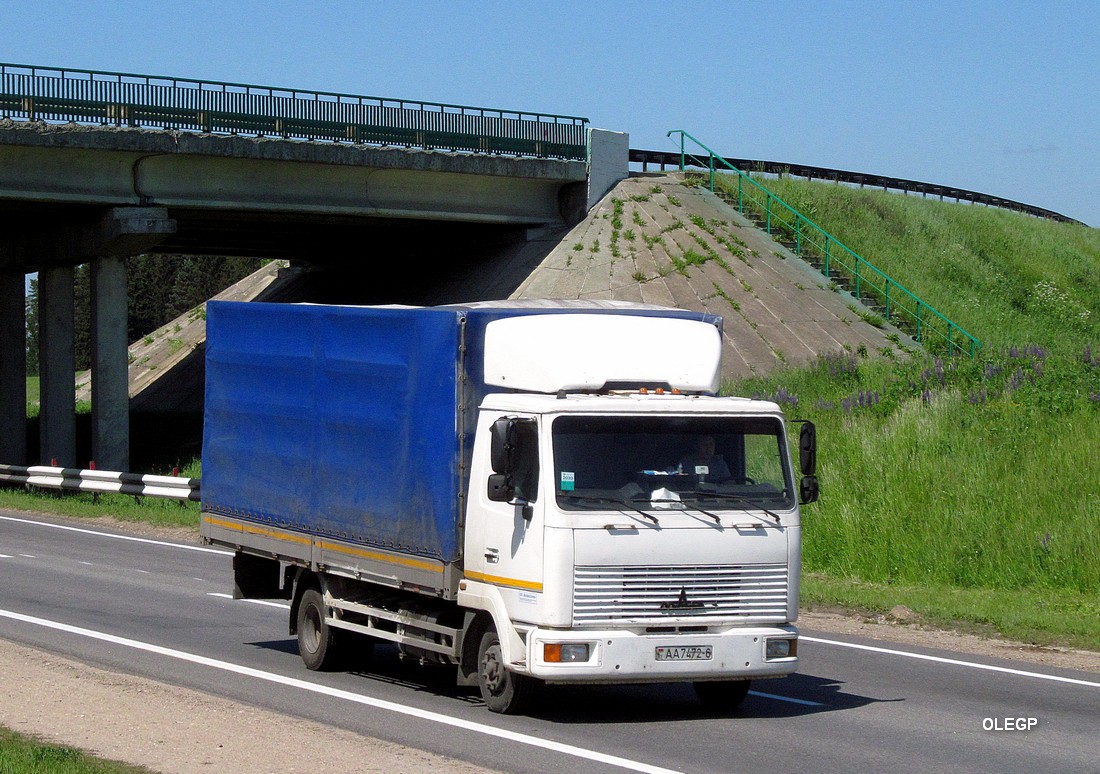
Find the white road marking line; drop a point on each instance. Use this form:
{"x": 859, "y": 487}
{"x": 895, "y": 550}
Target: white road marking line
{"x": 28, "y": 556}
{"x": 131, "y": 538}
{"x": 434, "y": 717}
{"x": 6, "y": 556}
{"x": 953, "y": 662}
{"x": 265, "y": 602}
{"x": 777, "y": 697}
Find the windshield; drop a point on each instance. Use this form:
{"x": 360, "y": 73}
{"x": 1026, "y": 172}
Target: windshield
{"x": 665, "y": 462}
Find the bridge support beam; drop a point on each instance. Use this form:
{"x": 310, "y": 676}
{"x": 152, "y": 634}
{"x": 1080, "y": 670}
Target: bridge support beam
{"x": 13, "y": 369}
{"x": 57, "y": 393}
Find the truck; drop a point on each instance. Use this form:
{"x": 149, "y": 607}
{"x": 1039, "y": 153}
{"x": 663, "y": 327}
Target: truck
{"x": 528, "y": 492}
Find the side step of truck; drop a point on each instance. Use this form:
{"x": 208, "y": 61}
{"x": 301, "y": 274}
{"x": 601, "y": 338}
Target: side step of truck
{"x": 415, "y": 630}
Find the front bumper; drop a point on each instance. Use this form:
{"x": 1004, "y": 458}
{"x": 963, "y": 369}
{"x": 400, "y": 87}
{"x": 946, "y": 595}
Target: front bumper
{"x": 618, "y": 656}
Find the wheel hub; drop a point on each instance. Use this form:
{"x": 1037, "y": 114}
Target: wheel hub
{"x": 492, "y": 670}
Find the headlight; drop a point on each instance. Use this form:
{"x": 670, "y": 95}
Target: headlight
{"x": 565, "y": 652}
{"x": 777, "y": 648}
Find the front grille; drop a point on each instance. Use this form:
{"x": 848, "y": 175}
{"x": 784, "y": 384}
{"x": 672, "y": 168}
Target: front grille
{"x": 746, "y": 592}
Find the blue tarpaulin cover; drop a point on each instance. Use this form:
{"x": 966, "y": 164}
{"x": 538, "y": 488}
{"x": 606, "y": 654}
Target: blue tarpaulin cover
{"x": 348, "y": 422}
{"x": 337, "y": 421}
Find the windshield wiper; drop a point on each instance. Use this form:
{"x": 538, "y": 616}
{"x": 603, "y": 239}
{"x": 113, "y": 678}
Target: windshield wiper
{"x": 737, "y": 498}
{"x": 715, "y": 516}
{"x": 613, "y": 501}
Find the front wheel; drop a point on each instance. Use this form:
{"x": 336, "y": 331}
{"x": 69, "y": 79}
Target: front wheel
{"x": 503, "y": 690}
{"x": 722, "y": 695}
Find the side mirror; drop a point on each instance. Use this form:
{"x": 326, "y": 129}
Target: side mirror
{"x": 500, "y": 490}
{"x": 502, "y": 441}
{"x": 513, "y": 456}
{"x": 808, "y": 490}
{"x": 807, "y": 449}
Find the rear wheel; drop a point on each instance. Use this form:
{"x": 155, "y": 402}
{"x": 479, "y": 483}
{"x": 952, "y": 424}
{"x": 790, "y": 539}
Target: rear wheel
{"x": 318, "y": 644}
{"x": 503, "y": 690}
{"x": 722, "y": 695}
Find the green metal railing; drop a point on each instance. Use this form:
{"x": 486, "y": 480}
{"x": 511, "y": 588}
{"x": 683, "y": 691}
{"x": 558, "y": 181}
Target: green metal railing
{"x": 125, "y": 99}
{"x": 901, "y": 307}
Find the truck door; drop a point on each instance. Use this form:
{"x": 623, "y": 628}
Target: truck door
{"x": 504, "y": 536}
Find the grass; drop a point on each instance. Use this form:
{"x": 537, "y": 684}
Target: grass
{"x": 965, "y": 489}
{"x": 1046, "y": 618}
{"x": 34, "y": 384}
{"x": 1005, "y": 277}
{"x": 21, "y": 754}
{"x": 993, "y": 272}
{"x": 157, "y": 511}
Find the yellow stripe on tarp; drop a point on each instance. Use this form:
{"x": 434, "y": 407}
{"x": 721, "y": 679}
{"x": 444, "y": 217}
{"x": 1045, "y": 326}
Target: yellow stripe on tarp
{"x": 253, "y": 529}
{"x": 417, "y": 564}
{"x": 306, "y": 540}
{"x": 498, "y": 580}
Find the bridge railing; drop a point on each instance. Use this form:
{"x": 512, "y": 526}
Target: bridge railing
{"x": 128, "y": 100}
{"x": 807, "y": 239}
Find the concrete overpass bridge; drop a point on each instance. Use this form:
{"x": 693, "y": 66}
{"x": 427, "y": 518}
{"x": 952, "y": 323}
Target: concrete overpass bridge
{"x": 97, "y": 167}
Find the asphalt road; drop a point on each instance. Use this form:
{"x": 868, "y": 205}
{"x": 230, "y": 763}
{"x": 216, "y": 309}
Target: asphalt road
{"x": 161, "y": 610}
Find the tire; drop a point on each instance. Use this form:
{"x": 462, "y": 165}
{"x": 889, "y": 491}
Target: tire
{"x": 722, "y": 696}
{"x": 318, "y": 644}
{"x": 503, "y": 690}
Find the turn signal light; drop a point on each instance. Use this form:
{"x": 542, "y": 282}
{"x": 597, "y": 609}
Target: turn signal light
{"x": 565, "y": 653}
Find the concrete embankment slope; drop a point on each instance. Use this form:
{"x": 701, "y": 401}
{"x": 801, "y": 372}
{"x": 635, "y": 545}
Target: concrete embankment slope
{"x": 654, "y": 240}
{"x": 166, "y": 367}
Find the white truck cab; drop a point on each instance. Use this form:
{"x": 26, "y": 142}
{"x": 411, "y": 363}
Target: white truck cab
{"x": 639, "y": 534}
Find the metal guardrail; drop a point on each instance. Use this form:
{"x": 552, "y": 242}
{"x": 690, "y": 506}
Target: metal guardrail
{"x": 901, "y": 306}
{"x": 672, "y": 158}
{"x": 75, "y": 479}
{"x": 129, "y": 100}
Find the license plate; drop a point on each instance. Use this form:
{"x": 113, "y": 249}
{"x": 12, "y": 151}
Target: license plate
{"x": 684, "y": 652}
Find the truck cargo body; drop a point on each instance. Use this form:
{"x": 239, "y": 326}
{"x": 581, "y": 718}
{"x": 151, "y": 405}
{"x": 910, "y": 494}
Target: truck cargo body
{"x": 497, "y": 486}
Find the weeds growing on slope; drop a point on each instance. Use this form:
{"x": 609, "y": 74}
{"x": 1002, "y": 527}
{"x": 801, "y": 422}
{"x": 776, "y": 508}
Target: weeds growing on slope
{"x": 965, "y": 473}
{"x": 1005, "y": 277}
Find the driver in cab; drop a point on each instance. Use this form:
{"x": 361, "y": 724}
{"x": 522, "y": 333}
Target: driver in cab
{"x": 703, "y": 461}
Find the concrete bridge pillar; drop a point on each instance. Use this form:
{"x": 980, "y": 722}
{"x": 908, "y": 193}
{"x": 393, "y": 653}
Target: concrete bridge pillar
{"x": 120, "y": 233}
{"x": 57, "y": 393}
{"x": 110, "y": 380}
{"x": 105, "y": 243}
{"x": 13, "y": 369}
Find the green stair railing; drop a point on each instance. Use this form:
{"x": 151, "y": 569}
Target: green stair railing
{"x": 835, "y": 260}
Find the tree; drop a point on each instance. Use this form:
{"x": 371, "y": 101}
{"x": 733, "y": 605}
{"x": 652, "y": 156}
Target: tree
{"x": 82, "y": 317}
{"x": 150, "y": 280}
{"x": 32, "y": 327}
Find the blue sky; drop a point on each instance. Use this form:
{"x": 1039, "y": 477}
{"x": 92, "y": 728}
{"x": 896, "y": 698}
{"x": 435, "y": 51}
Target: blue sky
{"x": 998, "y": 97}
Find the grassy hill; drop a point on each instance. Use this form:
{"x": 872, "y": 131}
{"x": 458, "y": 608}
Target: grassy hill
{"x": 1007, "y": 278}
{"x": 964, "y": 489}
